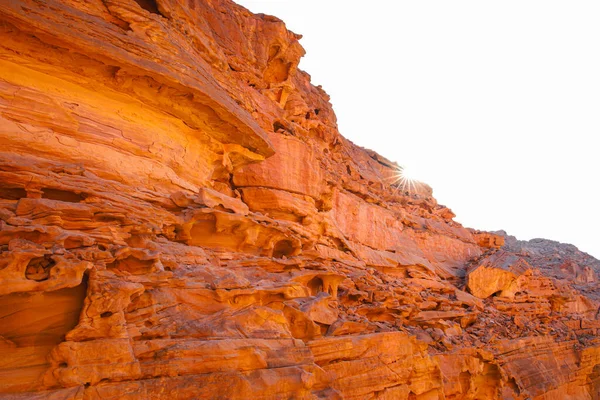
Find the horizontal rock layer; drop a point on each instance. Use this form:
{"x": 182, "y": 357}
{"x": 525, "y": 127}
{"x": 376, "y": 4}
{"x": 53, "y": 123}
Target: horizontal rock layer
{"x": 180, "y": 218}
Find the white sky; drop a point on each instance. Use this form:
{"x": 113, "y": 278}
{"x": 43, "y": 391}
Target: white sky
{"x": 496, "y": 105}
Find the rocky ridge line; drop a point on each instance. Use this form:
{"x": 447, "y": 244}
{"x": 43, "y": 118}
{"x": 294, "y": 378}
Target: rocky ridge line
{"x": 180, "y": 218}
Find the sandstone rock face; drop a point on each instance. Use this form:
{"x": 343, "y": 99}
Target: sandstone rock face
{"x": 181, "y": 219}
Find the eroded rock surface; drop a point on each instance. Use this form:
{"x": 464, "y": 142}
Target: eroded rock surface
{"x": 180, "y": 219}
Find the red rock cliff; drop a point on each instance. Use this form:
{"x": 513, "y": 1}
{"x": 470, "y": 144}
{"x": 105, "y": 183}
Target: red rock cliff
{"x": 181, "y": 219}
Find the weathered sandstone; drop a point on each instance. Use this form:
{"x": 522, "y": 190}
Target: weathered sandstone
{"x": 181, "y": 219}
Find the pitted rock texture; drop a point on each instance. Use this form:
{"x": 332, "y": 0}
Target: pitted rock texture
{"x": 181, "y": 219}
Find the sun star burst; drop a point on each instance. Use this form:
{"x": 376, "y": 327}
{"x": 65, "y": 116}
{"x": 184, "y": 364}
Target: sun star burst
{"x": 404, "y": 180}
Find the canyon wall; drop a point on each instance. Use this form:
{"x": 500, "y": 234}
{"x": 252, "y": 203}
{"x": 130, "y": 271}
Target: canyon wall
{"x": 181, "y": 219}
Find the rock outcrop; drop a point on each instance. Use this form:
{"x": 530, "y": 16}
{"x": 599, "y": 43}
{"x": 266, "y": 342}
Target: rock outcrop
{"x": 181, "y": 219}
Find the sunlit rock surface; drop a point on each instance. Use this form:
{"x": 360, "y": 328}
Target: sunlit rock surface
{"x": 181, "y": 219}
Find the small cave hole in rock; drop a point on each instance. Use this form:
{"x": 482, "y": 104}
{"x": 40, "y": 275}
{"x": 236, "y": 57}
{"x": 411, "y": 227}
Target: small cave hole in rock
{"x": 464, "y": 378}
{"x": 102, "y": 247}
{"x": 204, "y": 232}
{"x": 278, "y": 126}
{"x": 315, "y": 133}
{"x": 512, "y": 383}
{"x": 12, "y": 193}
{"x": 121, "y": 24}
{"x": 36, "y": 322}
{"x": 73, "y": 242}
{"x": 315, "y": 285}
{"x": 317, "y": 111}
{"x": 133, "y": 266}
{"x": 106, "y": 314}
{"x": 63, "y": 365}
{"x": 148, "y": 5}
{"x": 105, "y": 217}
{"x": 273, "y": 50}
{"x": 38, "y": 268}
{"x": 63, "y": 195}
{"x": 277, "y": 71}
{"x": 283, "y": 248}
{"x": 340, "y": 245}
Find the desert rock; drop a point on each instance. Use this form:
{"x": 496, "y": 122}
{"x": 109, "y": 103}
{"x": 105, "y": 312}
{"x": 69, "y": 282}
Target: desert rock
{"x": 180, "y": 218}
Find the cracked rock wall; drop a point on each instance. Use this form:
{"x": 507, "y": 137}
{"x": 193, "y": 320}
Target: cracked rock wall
{"x": 180, "y": 219}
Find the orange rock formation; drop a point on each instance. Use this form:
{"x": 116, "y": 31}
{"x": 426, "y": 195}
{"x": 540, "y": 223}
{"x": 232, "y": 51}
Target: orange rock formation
{"x": 180, "y": 219}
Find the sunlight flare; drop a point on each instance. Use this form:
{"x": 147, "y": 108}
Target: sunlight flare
{"x": 406, "y": 179}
